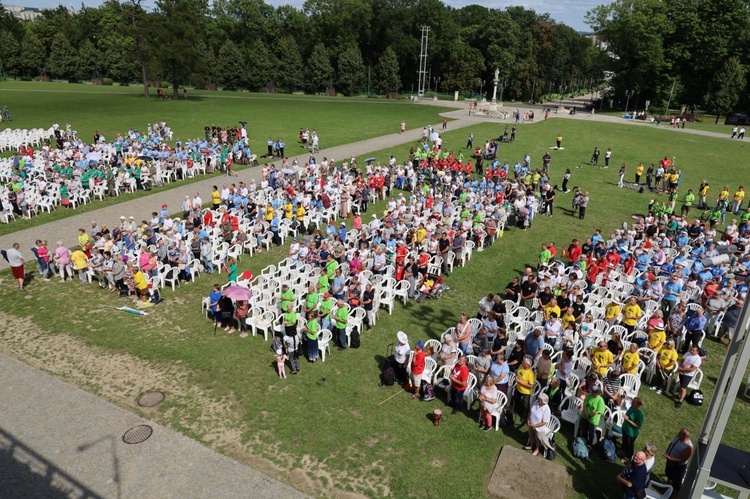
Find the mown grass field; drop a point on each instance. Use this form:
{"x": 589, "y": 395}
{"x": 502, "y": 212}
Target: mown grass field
{"x": 325, "y": 430}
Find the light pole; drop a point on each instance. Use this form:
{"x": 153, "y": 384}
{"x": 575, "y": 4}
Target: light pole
{"x": 481, "y": 87}
{"x": 437, "y": 80}
{"x": 628, "y": 94}
{"x": 502, "y": 87}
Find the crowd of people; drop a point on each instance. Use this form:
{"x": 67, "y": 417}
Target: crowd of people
{"x": 66, "y": 171}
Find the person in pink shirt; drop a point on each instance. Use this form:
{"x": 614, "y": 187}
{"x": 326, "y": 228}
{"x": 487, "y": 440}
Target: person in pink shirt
{"x": 357, "y": 224}
{"x": 62, "y": 260}
{"x": 143, "y": 260}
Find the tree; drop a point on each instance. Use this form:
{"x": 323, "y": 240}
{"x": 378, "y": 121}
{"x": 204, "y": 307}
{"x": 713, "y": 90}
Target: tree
{"x": 726, "y": 87}
{"x": 230, "y": 67}
{"x": 33, "y": 54}
{"x": 62, "y": 58}
{"x": 261, "y": 65}
{"x": 10, "y": 53}
{"x": 386, "y": 72}
{"x": 178, "y": 31}
{"x": 289, "y": 64}
{"x": 462, "y": 68}
{"x": 351, "y": 71}
{"x": 319, "y": 69}
{"x": 117, "y": 51}
{"x": 140, "y": 22}
{"x": 89, "y": 61}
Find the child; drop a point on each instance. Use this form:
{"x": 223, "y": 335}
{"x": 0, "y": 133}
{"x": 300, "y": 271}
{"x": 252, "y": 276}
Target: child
{"x": 280, "y": 359}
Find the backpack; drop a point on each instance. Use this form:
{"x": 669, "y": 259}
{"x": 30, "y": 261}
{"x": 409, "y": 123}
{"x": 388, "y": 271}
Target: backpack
{"x": 155, "y": 297}
{"x": 388, "y": 377}
{"x": 551, "y": 451}
{"x": 608, "y": 451}
{"x": 429, "y": 393}
{"x": 354, "y": 338}
{"x": 695, "y": 397}
{"x": 505, "y": 418}
{"x": 580, "y": 449}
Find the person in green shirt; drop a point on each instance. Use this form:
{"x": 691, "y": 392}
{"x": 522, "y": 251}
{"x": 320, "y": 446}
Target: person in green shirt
{"x": 544, "y": 255}
{"x": 323, "y": 283}
{"x": 331, "y": 266}
{"x": 290, "y": 321}
{"x": 311, "y": 301}
{"x": 325, "y": 311}
{"x": 631, "y": 426}
{"x": 340, "y": 320}
{"x": 687, "y": 202}
{"x": 593, "y": 408}
{"x": 287, "y": 297}
{"x": 312, "y": 330}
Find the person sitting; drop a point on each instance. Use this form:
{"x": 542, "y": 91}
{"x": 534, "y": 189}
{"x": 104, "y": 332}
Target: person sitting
{"x": 612, "y": 389}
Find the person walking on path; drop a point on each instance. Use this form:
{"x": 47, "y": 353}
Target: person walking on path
{"x": 403, "y": 127}
{"x": 16, "y": 262}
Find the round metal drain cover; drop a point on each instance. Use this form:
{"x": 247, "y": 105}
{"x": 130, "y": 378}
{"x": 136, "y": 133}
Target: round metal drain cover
{"x": 151, "y": 399}
{"x": 137, "y": 434}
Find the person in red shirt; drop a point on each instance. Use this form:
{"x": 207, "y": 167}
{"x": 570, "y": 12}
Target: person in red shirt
{"x": 401, "y": 252}
{"x": 574, "y": 251}
{"x": 459, "y": 379}
{"x": 552, "y": 250}
{"x": 417, "y": 368}
{"x": 592, "y": 272}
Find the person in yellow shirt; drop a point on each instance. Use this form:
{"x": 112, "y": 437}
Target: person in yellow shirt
{"x": 638, "y": 173}
{"x": 602, "y": 359}
{"x": 215, "y": 198}
{"x": 630, "y": 360}
{"x": 524, "y": 387}
{"x": 568, "y": 319}
{"x": 739, "y": 195}
{"x": 288, "y": 210}
{"x": 666, "y": 361}
{"x": 724, "y": 194}
{"x": 631, "y": 313}
{"x": 269, "y": 213}
{"x": 80, "y": 263}
{"x": 611, "y": 312}
{"x": 139, "y": 282}
{"x": 552, "y": 306}
{"x": 656, "y": 339}
{"x": 421, "y": 234}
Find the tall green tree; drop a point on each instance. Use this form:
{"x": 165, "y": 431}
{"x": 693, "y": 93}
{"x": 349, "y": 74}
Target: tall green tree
{"x": 33, "y": 55}
{"x": 117, "y": 51}
{"x": 10, "y": 53}
{"x": 319, "y": 70}
{"x": 62, "y": 58}
{"x": 89, "y": 61}
{"x": 725, "y": 88}
{"x": 140, "y": 25}
{"x": 351, "y": 71}
{"x": 230, "y": 66}
{"x": 387, "y": 72}
{"x": 178, "y": 30}
{"x": 261, "y": 66}
{"x": 289, "y": 71}
{"x": 463, "y": 68}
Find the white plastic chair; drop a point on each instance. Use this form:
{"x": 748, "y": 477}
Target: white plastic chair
{"x": 502, "y": 401}
{"x": 570, "y": 409}
{"x": 651, "y": 493}
{"x": 441, "y": 378}
{"x": 324, "y": 343}
{"x": 695, "y": 383}
{"x": 470, "y": 393}
{"x": 172, "y": 277}
{"x": 631, "y": 385}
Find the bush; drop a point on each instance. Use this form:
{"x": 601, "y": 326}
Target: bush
{"x": 164, "y": 84}
{"x": 108, "y": 81}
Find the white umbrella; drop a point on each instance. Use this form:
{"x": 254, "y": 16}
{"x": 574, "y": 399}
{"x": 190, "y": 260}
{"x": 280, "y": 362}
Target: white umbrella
{"x": 94, "y": 156}
{"x": 434, "y": 136}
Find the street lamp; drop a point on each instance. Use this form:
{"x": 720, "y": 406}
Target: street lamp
{"x": 628, "y": 94}
{"x": 437, "y": 80}
{"x": 481, "y": 87}
{"x": 502, "y": 87}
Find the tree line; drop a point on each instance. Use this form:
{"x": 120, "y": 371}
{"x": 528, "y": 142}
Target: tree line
{"x": 684, "y": 51}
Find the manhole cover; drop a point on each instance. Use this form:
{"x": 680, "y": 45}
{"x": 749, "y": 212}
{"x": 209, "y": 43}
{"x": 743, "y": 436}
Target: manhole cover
{"x": 151, "y": 399}
{"x": 137, "y": 434}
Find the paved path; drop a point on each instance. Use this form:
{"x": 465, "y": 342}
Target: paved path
{"x": 59, "y": 441}
{"x": 67, "y": 229}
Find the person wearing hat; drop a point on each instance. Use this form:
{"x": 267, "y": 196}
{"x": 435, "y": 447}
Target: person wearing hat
{"x": 401, "y": 356}
{"x": 593, "y": 408}
{"x": 417, "y": 367}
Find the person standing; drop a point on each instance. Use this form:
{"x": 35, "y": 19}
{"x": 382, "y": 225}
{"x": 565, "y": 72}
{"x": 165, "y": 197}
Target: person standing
{"x": 631, "y": 427}
{"x": 678, "y": 454}
{"x": 687, "y": 369}
{"x": 470, "y": 141}
{"x": 607, "y": 156}
{"x": 593, "y": 408}
{"x": 312, "y": 330}
{"x": 583, "y": 203}
{"x": 417, "y": 368}
{"x": 445, "y": 124}
{"x": 539, "y": 417}
{"x": 559, "y": 140}
{"x": 622, "y": 176}
{"x": 403, "y": 126}
{"x": 16, "y": 262}
{"x": 340, "y": 320}
{"x": 524, "y": 387}
{"x": 459, "y": 379}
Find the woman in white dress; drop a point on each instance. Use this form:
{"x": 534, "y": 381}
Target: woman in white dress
{"x": 489, "y": 396}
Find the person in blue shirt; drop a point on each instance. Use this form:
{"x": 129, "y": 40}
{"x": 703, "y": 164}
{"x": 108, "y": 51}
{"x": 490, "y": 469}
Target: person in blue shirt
{"x": 342, "y": 233}
{"x": 694, "y": 330}
{"x": 213, "y": 304}
{"x": 672, "y": 290}
{"x": 534, "y": 344}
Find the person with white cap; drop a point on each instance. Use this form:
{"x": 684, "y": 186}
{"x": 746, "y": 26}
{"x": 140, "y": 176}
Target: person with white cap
{"x": 401, "y": 356}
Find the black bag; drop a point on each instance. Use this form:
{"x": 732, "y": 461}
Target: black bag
{"x": 124, "y": 293}
{"x": 551, "y": 452}
{"x": 388, "y": 377}
{"x": 354, "y": 338}
{"x": 695, "y": 397}
{"x": 506, "y": 418}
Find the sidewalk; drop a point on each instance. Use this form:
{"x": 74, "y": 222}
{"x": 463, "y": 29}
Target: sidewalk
{"x": 59, "y": 441}
{"x": 67, "y": 229}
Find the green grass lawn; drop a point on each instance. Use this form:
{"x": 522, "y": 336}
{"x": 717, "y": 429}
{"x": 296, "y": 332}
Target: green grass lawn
{"x": 329, "y": 421}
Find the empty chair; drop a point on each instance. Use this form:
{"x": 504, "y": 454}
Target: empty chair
{"x": 324, "y": 343}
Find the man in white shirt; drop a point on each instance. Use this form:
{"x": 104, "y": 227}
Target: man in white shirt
{"x": 16, "y": 262}
{"x": 197, "y": 201}
{"x": 689, "y": 366}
